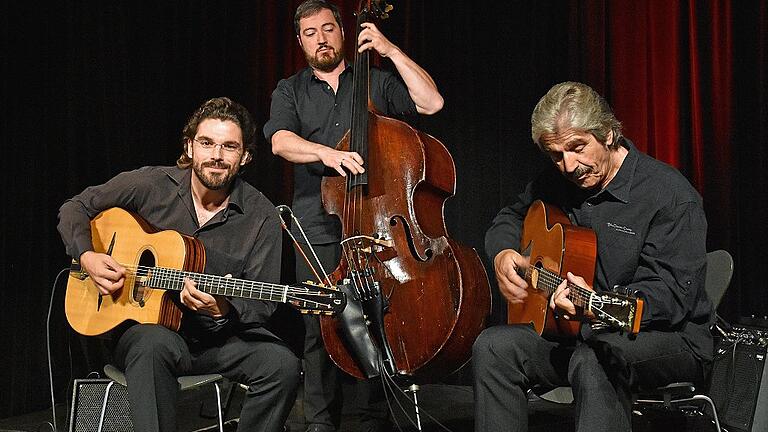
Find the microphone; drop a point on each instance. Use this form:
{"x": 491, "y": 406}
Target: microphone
{"x": 284, "y": 210}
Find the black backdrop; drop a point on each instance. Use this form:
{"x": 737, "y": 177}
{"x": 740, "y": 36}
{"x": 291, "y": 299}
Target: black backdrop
{"x": 94, "y": 88}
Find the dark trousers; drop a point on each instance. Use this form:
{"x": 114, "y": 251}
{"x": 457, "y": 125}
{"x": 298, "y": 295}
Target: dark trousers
{"x": 603, "y": 372}
{"x": 322, "y": 385}
{"x": 153, "y": 356}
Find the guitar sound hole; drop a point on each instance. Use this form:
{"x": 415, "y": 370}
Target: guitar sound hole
{"x": 146, "y": 261}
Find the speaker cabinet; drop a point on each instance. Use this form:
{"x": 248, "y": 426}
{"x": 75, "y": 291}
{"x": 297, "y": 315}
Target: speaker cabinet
{"x": 98, "y": 402}
{"x": 740, "y": 385}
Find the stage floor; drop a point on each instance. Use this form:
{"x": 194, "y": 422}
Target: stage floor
{"x": 449, "y": 405}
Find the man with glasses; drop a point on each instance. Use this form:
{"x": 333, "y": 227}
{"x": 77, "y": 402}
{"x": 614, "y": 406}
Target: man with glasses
{"x": 202, "y": 196}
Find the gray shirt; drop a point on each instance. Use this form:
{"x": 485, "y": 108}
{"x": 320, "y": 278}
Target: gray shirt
{"x": 243, "y": 239}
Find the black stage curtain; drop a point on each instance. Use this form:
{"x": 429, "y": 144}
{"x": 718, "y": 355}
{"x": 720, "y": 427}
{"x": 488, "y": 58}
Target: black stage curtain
{"x": 92, "y": 88}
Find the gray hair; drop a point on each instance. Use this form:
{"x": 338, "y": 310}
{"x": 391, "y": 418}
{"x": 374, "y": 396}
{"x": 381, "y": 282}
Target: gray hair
{"x": 575, "y": 105}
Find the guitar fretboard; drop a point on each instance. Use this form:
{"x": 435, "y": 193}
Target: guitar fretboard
{"x": 548, "y": 281}
{"x": 173, "y": 279}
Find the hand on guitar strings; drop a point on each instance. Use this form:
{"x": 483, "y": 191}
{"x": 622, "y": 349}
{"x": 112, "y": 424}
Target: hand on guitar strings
{"x": 204, "y": 303}
{"x": 509, "y": 265}
{"x": 106, "y": 273}
{"x": 559, "y": 299}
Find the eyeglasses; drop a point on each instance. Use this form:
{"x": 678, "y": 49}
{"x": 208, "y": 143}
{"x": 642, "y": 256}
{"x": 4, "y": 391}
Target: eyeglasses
{"x": 210, "y": 145}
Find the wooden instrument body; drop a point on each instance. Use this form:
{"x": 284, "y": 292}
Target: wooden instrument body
{"x": 132, "y": 240}
{"x": 552, "y": 242}
{"x": 438, "y": 290}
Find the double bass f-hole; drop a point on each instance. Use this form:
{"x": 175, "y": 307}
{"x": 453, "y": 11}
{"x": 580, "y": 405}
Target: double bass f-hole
{"x": 411, "y": 244}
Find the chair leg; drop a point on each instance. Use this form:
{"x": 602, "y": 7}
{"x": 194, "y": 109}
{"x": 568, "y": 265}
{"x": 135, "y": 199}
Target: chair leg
{"x": 218, "y": 406}
{"x": 104, "y": 406}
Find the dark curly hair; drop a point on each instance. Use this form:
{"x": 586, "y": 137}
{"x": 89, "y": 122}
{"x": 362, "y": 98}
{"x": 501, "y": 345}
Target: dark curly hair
{"x": 220, "y": 108}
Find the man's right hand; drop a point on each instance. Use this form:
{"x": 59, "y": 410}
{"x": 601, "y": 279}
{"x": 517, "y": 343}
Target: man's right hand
{"x": 511, "y": 284}
{"x": 339, "y": 160}
{"x": 105, "y": 272}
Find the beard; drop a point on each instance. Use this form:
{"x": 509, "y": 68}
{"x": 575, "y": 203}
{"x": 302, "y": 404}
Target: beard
{"x": 325, "y": 61}
{"x": 215, "y": 181}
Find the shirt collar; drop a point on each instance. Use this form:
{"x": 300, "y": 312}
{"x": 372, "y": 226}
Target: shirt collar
{"x": 183, "y": 179}
{"x": 621, "y": 185}
{"x": 314, "y": 78}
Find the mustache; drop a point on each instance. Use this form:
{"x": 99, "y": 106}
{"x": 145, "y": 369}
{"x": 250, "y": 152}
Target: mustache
{"x": 215, "y": 164}
{"x": 579, "y": 172}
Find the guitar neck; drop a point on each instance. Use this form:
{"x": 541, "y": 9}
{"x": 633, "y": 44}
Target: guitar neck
{"x": 173, "y": 279}
{"x": 548, "y": 282}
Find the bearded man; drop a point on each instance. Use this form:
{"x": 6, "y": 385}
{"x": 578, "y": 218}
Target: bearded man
{"x": 310, "y": 113}
{"x": 204, "y": 197}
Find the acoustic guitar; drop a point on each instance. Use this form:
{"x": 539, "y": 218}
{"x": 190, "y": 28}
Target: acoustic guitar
{"x": 157, "y": 263}
{"x": 555, "y": 247}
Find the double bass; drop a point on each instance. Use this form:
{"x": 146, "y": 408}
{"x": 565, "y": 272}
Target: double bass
{"x": 395, "y": 246}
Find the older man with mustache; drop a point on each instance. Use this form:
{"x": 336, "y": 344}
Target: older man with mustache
{"x": 651, "y": 239}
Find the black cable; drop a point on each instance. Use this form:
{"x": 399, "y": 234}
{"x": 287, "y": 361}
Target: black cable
{"x": 48, "y": 344}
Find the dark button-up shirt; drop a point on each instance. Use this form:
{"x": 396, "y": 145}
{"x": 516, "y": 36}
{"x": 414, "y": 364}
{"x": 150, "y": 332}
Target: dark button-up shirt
{"x": 243, "y": 239}
{"x": 651, "y": 238}
{"x": 308, "y": 107}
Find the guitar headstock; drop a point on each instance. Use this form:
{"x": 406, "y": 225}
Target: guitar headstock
{"x": 617, "y": 310}
{"x": 312, "y": 298}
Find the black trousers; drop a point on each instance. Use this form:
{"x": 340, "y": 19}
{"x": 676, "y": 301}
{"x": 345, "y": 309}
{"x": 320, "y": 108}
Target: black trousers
{"x": 322, "y": 379}
{"x": 153, "y": 356}
{"x": 602, "y": 371}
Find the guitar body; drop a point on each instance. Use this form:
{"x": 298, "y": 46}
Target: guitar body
{"x": 553, "y": 243}
{"x": 130, "y": 241}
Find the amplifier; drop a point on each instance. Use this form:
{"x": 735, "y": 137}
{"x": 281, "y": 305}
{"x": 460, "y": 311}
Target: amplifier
{"x": 740, "y": 383}
{"x": 99, "y": 405}
{"x": 747, "y": 335}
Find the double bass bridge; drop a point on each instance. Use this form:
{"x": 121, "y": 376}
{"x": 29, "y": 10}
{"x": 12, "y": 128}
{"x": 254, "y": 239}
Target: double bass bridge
{"x": 367, "y": 244}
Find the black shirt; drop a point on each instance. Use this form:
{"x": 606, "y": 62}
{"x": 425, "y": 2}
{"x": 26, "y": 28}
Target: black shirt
{"x": 651, "y": 238}
{"x": 307, "y": 106}
{"x": 243, "y": 239}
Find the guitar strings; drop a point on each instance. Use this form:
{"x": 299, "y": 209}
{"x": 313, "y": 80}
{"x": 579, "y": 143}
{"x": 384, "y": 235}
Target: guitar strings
{"x": 552, "y": 280}
{"x": 174, "y": 279}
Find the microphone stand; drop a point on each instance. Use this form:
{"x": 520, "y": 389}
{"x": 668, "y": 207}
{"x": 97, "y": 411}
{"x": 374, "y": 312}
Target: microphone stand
{"x": 364, "y": 309}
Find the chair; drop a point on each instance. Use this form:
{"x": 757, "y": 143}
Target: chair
{"x": 188, "y": 382}
{"x": 718, "y": 278}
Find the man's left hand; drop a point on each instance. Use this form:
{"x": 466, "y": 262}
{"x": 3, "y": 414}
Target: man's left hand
{"x": 371, "y": 38}
{"x": 560, "y": 299}
{"x": 204, "y": 303}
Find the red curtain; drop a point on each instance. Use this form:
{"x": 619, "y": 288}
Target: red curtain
{"x": 659, "y": 62}
{"x": 689, "y": 86}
